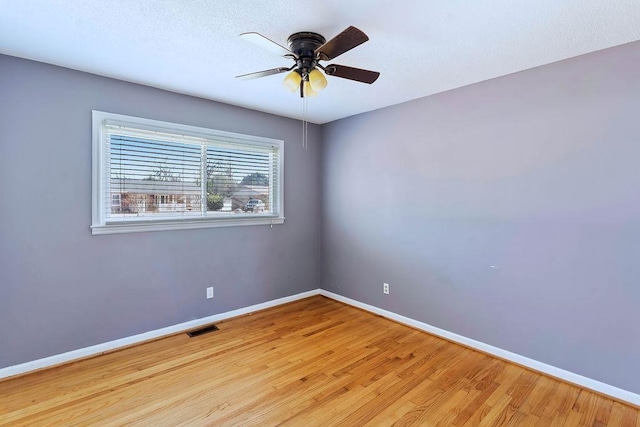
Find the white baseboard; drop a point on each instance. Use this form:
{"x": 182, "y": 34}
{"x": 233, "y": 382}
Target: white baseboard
{"x": 535, "y": 365}
{"x": 562, "y": 374}
{"x": 94, "y": 350}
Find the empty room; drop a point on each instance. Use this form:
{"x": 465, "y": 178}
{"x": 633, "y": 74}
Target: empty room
{"x": 263, "y": 213}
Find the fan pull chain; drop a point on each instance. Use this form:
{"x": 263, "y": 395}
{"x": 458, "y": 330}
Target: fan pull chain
{"x": 305, "y": 124}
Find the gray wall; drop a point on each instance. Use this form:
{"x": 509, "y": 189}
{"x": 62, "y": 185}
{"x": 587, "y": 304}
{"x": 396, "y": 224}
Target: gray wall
{"x": 537, "y": 174}
{"x": 62, "y": 288}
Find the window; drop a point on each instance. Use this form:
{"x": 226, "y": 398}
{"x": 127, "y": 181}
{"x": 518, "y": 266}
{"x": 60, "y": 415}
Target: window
{"x": 152, "y": 175}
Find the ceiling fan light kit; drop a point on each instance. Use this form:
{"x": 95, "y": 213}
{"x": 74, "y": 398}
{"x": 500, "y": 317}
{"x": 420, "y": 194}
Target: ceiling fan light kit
{"x": 307, "y": 90}
{"x": 292, "y": 81}
{"x": 307, "y": 49}
{"x": 317, "y": 80}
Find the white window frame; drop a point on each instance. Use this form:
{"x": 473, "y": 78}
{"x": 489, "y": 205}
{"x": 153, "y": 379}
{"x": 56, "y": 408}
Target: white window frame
{"x": 100, "y": 225}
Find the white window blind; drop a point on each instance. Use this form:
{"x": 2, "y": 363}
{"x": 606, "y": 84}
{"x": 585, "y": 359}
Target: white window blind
{"x": 156, "y": 175}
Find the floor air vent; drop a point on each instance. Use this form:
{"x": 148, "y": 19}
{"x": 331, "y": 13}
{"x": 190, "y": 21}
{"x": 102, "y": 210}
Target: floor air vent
{"x": 202, "y": 331}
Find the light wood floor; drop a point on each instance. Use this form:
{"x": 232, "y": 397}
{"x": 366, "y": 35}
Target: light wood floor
{"x": 311, "y": 362}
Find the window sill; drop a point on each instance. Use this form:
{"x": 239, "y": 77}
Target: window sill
{"x": 137, "y": 227}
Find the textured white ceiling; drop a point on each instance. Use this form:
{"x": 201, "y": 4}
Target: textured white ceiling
{"x": 420, "y": 47}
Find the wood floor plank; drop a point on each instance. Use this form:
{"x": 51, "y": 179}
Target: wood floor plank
{"x": 313, "y": 362}
{"x": 474, "y": 404}
{"x": 624, "y": 416}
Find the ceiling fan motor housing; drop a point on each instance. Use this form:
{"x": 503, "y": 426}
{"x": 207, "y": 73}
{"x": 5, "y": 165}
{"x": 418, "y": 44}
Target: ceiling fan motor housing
{"x": 304, "y": 45}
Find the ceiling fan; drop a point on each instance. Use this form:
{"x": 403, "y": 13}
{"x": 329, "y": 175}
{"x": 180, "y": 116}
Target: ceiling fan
{"x": 307, "y": 49}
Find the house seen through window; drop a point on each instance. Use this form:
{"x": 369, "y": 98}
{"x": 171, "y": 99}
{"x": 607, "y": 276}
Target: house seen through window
{"x": 158, "y": 175}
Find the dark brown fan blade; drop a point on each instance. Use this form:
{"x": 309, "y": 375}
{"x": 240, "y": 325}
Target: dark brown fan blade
{"x": 357, "y": 74}
{"x": 346, "y": 40}
{"x": 264, "y": 73}
{"x": 265, "y": 43}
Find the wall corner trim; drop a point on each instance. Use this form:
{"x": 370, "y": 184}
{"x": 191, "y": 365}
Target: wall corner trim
{"x": 94, "y": 350}
{"x": 561, "y": 374}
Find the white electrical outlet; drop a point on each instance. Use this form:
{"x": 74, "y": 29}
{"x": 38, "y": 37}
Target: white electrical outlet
{"x": 385, "y": 288}
{"x": 210, "y": 292}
